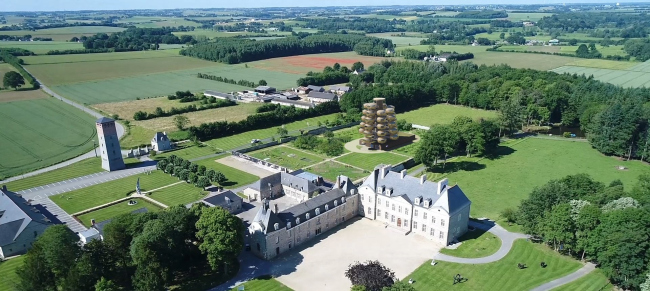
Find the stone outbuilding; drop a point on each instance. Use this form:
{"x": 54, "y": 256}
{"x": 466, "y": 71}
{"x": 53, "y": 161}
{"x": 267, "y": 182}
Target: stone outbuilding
{"x": 160, "y": 142}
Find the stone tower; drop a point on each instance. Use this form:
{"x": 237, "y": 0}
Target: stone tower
{"x": 109, "y": 145}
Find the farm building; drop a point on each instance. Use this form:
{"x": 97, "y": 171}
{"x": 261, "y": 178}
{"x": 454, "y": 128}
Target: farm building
{"x": 302, "y": 90}
{"x": 313, "y": 88}
{"x": 20, "y": 223}
{"x": 442, "y": 57}
{"x": 289, "y": 96}
{"x": 265, "y": 90}
{"x": 297, "y": 104}
{"x": 320, "y": 97}
{"x": 226, "y": 200}
{"x": 340, "y": 89}
{"x": 160, "y": 142}
{"x": 553, "y": 42}
{"x": 218, "y": 95}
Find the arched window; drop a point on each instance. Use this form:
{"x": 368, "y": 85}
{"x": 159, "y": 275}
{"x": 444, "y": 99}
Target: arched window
{"x": 336, "y": 203}
{"x": 342, "y": 199}
{"x": 298, "y": 220}
{"x": 307, "y": 216}
{"x": 276, "y": 226}
{"x": 327, "y": 207}
{"x": 288, "y": 224}
{"x": 317, "y": 211}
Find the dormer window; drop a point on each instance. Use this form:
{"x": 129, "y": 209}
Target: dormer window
{"x": 417, "y": 200}
{"x": 327, "y": 207}
{"x": 276, "y": 226}
{"x": 336, "y": 203}
{"x": 289, "y": 225}
{"x": 342, "y": 199}
{"x": 307, "y": 216}
{"x": 317, "y": 211}
{"x": 298, "y": 220}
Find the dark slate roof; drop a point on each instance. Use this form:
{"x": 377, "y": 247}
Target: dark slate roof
{"x": 287, "y": 179}
{"x": 340, "y": 88}
{"x": 160, "y": 136}
{"x": 322, "y": 95}
{"x": 9, "y": 231}
{"x": 101, "y": 225}
{"x": 220, "y": 199}
{"x": 264, "y": 88}
{"x": 316, "y": 88}
{"x": 105, "y": 120}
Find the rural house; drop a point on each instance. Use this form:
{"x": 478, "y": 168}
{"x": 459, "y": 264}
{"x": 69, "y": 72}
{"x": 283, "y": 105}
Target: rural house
{"x": 20, "y": 223}
{"x": 340, "y": 90}
{"x": 358, "y": 72}
{"x": 299, "y": 185}
{"x": 160, "y": 142}
{"x": 274, "y": 232}
{"x": 320, "y": 97}
{"x": 226, "y": 200}
{"x": 302, "y": 90}
{"x": 433, "y": 210}
{"x": 442, "y": 57}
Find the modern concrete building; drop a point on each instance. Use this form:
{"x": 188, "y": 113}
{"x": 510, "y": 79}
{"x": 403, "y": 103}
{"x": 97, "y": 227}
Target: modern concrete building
{"x": 109, "y": 145}
{"x": 227, "y": 200}
{"x": 160, "y": 142}
{"x": 20, "y": 223}
{"x": 274, "y": 232}
{"x": 434, "y": 210}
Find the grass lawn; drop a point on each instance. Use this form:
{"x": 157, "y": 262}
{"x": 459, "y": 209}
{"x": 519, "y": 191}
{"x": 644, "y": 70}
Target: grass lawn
{"x": 443, "y": 114}
{"x": 500, "y": 275}
{"x": 115, "y": 210}
{"x": 520, "y": 60}
{"x": 81, "y": 168}
{"x": 287, "y": 157}
{"x": 183, "y": 193}
{"x": 231, "y": 113}
{"x": 244, "y": 139}
{"x": 75, "y": 201}
{"x": 236, "y": 178}
{"x": 137, "y": 136}
{"x": 369, "y": 161}
{"x": 613, "y": 50}
{"x": 475, "y": 244}
{"x": 494, "y": 185}
{"x": 330, "y": 169}
{"x": 38, "y": 133}
{"x": 188, "y": 152}
{"x": 8, "y": 273}
{"x": 594, "y": 281}
{"x": 6, "y": 68}
{"x": 263, "y": 284}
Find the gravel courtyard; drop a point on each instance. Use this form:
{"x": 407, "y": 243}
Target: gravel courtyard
{"x": 321, "y": 263}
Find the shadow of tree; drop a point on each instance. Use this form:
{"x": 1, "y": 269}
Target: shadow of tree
{"x": 452, "y": 167}
{"x": 501, "y": 151}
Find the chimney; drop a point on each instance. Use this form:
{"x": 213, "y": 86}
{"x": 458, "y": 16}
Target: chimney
{"x": 384, "y": 171}
{"x": 92, "y": 222}
{"x": 275, "y": 208}
{"x": 403, "y": 173}
{"x": 338, "y": 182}
{"x": 4, "y": 187}
{"x": 442, "y": 185}
{"x": 423, "y": 178}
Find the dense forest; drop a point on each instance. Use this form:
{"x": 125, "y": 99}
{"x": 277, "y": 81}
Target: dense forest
{"x": 482, "y": 14}
{"x": 606, "y": 224}
{"x": 625, "y": 25}
{"x": 638, "y": 48}
{"x": 614, "y": 118}
{"x": 134, "y": 39}
{"x": 369, "y": 25}
{"x": 237, "y": 50}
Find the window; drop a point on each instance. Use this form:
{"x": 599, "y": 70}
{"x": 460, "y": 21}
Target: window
{"x": 369, "y": 210}
{"x": 378, "y": 212}
{"x": 361, "y": 197}
{"x": 277, "y": 239}
{"x": 317, "y": 211}
{"x": 424, "y": 227}
{"x": 433, "y": 219}
{"x": 424, "y": 215}
{"x": 289, "y": 224}
{"x": 369, "y": 198}
{"x": 399, "y": 209}
{"x": 343, "y": 200}
{"x": 378, "y": 200}
{"x": 392, "y": 218}
{"x": 336, "y": 203}
{"x": 307, "y": 216}
{"x": 442, "y": 222}
{"x": 415, "y": 212}
{"x": 327, "y": 207}
{"x": 387, "y": 203}
{"x": 386, "y": 215}
{"x": 318, "y": 221}
{"x": 415, "y": 225}
{"x": 431, "y": 231}
{"x": 406, "y": 222}
{"x": 393, "y": 206}
{"x": 406, "y": 211}
{"x": 298, "y": 220}
{"x": 276, "y": 226}
{"x": 442, "y": 235}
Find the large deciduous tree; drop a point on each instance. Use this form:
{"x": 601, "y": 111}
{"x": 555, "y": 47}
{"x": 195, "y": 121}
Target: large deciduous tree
{"x": 372, "y": 274}
{"x": 220, "y": 235}
{"x": 13, "y": 79}
{"x": 181, "y": 121}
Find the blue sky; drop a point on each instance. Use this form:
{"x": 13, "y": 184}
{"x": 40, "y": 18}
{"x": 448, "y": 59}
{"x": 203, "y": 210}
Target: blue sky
{"x": 58, "y": 5}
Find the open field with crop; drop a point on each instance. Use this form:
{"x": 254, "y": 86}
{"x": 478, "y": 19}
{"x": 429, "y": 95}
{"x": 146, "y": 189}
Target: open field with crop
{"x": 443, "y": 114}
{"x": 38, "y": 133}
{"x": 526, "y": 164}
{"x": 81, "y": 168}
{"x": 8, "y": 273}
{"x": 536, "y": 48}
{"x": 232, "y": 113}
{"x": 82, "y": 199}
{"x": 42, "y": 47}
{"x": 594, "y": 281}
{"x": 630, "y": 77}
{"x": 179, "y": 194}
{"x": 612, "y": 50}
{"x": 116, "y": 210}
{"x": 475, "y": 244}
{"x": 66, "y": 33}
{"x": 78, "y": 72}
{"x": 603, "y": 64}
{"x": 316, "y": 62}
{"x": 493, "y": 276}
{"x": 126, "y": 109}
{"x": 287, "y": 157}
{"x": 533, "y": 16}
{"x": 370, "y": 161}
{"x": 236, "y": 178}
{"x": 410, "y": 38}
{"x": 88, "y": 58}
{"x": 520, "y": 60}
{"x": 12, "y": 96}
{"x": 496, "y": 36}
{"x": 330, "y": 169}
{"x": 244, "y": 139}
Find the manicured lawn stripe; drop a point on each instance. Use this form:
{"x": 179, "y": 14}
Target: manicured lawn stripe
{"x": 82, "y": 199}
{"x": 189, "y": 152}
{"x": 115, "y": 210}
{"x": 179, "y": 194}
{"x": 475, "y": 244}
{"x": 236, "y": 178}
{"x": 500, "y": 275}
{"x": 287, "y": 157}
{"x": 594, "y": 281}
{"x": 81, "y": 168}
{"x": 8, "y": 273}
{"x": 265, "y": 284}
{"x": 330, "y": 169}
{"x": 370, "y": 161}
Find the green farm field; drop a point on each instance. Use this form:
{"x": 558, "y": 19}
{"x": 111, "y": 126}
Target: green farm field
{"x": 89, "y": 58}
{"x": 42, "y": 47}
{"x": 520, "y": 60}
{"x": 115, "y": 210}
{"x": 603, "y": 64}
{"x": 179, "y": 194}
{"x": 66, "y": 33}
{"x": 38, "y": 133}
{"x": 284, "y": 156}
{"x": 6, "y": 68}
{"x": 475, "y": 244}
{"x": 8, "y": 273}
{"x": 527, "y": 16}
{"x": 244, "y": 139}
{"x": 82, "y": 199}
{"x": 78, "y": 169}
{"x": 500, "y": 275}
{"x": 236, "y": 178}
{"x": 331, "y": 169}
{"x": 443, "y": 114}
{"x": 410, "y": 39}
{"x": 526, "y": 164}
{"x": 369, "y": 161}
{"x": 231, "y": 113}
{"x": 625, "y": 78}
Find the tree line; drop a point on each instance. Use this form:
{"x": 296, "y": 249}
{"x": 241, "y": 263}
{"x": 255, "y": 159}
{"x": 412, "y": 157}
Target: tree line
{"x": 146, "y": 251}
{"x": 135, "y": 39}
{"x": 279, "y": 116}
{"x": 482, "y": 14}
{"x": 191, "y": 172}
{"x": 211, "y": 103}
{"x": 336, "y": 74}
{"x": 368, "y": 25}
{"x": 244, "y": 83}
{"x": 237, "y": 50}
{"x": 614, "y": 118}
{"x": 638, "y": 48}
{"x": 587, "y": 219}
{"x": 7, "y": 56}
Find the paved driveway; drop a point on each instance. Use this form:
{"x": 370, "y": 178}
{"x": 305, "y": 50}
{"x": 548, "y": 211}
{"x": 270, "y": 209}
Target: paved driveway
{"x": 321, "y": 263}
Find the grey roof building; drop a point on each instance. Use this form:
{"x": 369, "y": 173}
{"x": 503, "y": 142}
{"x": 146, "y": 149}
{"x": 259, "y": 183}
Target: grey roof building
{"x": 299, "y": 185}
{"x": 96, "y": 231}
{"x": 315, "y": 88}
{"x": 219, "y": 95}
{"x": 20, "y": 223}
{"x": 321, "y": 96}
{"x": 265, "y": 89}
{"x": 160, "y": 142}
{"x": 340, "y": 89}
{"x": 298, "y": 104}
{"x": 227, "y": 200}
